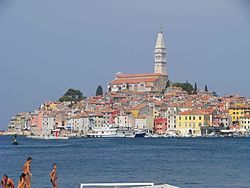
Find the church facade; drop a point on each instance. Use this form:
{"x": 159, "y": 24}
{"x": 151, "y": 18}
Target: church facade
{"x": 148, "y": 81}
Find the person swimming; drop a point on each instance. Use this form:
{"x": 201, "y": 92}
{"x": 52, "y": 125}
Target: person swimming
{"x": 7, "y": 182}
{"x": 53, "y": 177}
{"x": 26, "y": 171}
{"x": 21, "y": 183}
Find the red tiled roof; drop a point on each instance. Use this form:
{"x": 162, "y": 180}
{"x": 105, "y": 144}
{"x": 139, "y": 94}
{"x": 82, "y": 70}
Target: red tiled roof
{"x": 194, "y": 112}
{"x": 138, "y": 107}
{"x": 132, "y": 81}
{"x": 137, "y": 75}
{"x": 246, "y": 116}
{"x": 160, "y": 120}
{"x": 246, "y": 106}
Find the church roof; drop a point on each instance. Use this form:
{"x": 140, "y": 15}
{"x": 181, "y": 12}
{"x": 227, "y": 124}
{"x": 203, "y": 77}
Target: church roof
{"x": 138, "y": 75}
{"x": 132, "y": 80}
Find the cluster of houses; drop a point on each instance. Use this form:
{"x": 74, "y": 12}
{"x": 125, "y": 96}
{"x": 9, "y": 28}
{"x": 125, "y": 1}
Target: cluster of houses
{"x": 140, "y": 101}
{"x": 174, "y": 112}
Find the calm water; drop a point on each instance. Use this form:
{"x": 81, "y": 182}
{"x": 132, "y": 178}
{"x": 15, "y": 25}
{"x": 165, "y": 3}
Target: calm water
{"x": 184, "y": 162}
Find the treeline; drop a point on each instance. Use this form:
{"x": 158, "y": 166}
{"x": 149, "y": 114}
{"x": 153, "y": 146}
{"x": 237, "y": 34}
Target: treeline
{"x": 190, "y": 89}
{"x": 75, "y": 95}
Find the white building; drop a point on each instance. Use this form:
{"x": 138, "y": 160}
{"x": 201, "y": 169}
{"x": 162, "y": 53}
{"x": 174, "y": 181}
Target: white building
{"x": 125, "y": 120}
{"x": 80, "y": 123}
{"x": 48, "y": 123}
{"x": 170, "y": 115}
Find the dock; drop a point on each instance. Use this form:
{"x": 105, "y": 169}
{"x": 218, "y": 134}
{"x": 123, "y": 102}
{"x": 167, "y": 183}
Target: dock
{"x": 126, "y": 185}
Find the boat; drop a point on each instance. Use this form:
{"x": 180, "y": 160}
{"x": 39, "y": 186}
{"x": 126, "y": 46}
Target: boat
{"x": 103, "y": 132}
{"x": 48, "y": 137}
{"x": 132, "y": 133}
{"x": 115, "y": 132}
{"x": 15, "y": 141}
{"x": 135, "y": 134}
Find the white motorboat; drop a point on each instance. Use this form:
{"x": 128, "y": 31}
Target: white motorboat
{"x": 48, "y": 137}
{"x": 104, "y": 132}
{"x": 115, "y": 132}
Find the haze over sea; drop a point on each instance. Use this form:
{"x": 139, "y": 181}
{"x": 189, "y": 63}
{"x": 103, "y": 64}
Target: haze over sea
{"x": 184, "y": 162}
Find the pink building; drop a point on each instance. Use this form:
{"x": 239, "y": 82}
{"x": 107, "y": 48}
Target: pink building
{"x": 160, "y": 125}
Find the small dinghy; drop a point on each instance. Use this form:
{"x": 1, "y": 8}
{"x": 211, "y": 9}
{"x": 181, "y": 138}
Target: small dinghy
{"x": 15, "y": 141}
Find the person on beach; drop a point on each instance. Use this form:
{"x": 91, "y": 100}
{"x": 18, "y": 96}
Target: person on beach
{"x": 21, "y": 183}
{"x": 7, "y": 182}
{"x": 53, "y": 177}
{"x": 26, "y": 171}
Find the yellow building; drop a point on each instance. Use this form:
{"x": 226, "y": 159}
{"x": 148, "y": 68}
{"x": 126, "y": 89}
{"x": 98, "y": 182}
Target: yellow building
{"x": 156, "y": 113}
{"x": 190, "y": 122}
{"x": 236, "y": 111}
{"x": 244, "y": 122}
{"x": 137, "y": 110}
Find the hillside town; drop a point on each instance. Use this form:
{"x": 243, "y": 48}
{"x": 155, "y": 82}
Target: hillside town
{"x": 172, "y": 113}
{"x": 148, "y": 102}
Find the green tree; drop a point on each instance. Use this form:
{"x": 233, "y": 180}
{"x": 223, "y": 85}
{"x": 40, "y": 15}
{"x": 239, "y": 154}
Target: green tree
{"x": 185, "y": 86}
{"x": 167, "y": 84}
{"x": 215, "y": 94}
{"x": 195, "y": 88}
{"x": 99, "y": 91}
{"x": 206, "y": 88}
{"x": 72, "y": 95}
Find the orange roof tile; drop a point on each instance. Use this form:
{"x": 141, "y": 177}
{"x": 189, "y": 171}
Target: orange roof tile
{"x": 138, "y": 107}
{"x": 138, "y": 75}
{"x": 246, "y": 116}
{"x": 132, "y": 81}
{"x": 194, "y": 112}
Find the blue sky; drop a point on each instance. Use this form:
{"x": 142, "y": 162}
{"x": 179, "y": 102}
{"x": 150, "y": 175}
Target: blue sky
{"x": 48, "y": 46}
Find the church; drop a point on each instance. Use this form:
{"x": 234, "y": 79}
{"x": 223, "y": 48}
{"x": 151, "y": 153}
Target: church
{"x": 147, "y": 81}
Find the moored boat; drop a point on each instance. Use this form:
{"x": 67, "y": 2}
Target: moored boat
{"x": 115, "y": 132}
{"x": 48, "y": 137}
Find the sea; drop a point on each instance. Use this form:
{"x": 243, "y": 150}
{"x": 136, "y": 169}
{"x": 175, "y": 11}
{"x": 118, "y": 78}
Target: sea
{"x": 183, "y": 162}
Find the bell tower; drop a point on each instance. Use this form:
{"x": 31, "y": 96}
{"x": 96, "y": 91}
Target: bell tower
{"x": 160, "y": 60}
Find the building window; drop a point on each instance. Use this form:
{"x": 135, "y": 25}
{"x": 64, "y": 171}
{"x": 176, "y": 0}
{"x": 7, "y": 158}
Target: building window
{"x": 193, "y": 117}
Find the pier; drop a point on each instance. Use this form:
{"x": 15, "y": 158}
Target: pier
{"x": 130, "y": 185}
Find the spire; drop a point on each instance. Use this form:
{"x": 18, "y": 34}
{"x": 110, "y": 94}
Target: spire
{"x": 160, "y": 59}
{"x": 160, "y": 40}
